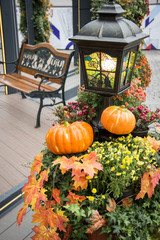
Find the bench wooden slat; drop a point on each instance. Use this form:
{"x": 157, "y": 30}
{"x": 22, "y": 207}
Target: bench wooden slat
{"x": 32, "y": 82}
{"x": 23, "y": 85}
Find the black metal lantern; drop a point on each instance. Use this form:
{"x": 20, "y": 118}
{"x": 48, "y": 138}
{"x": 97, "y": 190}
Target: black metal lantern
{"x": 108, "y": 47}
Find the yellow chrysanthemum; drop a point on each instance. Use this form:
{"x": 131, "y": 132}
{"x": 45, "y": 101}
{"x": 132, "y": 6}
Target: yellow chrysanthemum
{"x": 103, "y": 196}
{"x": 91, "y": 198}
{"x": 94, "y": 190}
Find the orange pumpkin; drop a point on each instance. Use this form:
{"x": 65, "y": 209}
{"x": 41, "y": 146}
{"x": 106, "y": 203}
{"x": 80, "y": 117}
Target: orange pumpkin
{"x": 118, "y": 120}
{"x": 69, "y": 138}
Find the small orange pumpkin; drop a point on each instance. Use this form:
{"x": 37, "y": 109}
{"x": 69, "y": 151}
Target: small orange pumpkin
{"x": 118, "y": 120}
{"x": 69, "y": 138}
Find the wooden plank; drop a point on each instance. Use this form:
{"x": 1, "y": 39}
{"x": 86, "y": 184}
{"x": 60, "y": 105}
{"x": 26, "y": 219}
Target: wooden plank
{"x": 9, "y": 228}
{"x": 4, "y": 186}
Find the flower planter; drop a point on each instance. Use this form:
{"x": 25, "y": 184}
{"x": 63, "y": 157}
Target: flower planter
{"x": 140, "y": 133}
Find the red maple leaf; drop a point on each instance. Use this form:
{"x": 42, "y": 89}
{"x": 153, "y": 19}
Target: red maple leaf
{"x": 43, "y": 233}
{"x": 112, "y": 205}
{"x": 20, "y": 214}
{"x": 37, "y": 164}
{"x": 97, "y": 222}
{"x": 74, "y": 198}
{"x": 33, "y": 194}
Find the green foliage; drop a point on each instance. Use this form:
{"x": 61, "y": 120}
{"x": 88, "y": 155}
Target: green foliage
{"x": 40, "y": 18}
{"x": 140, "y": 221}
{"x": 92, "y": 99}
{"x": 136, "y": 9}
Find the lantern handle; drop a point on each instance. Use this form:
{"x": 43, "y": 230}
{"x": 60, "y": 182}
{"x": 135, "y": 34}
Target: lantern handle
{"x": 111, "y": 1}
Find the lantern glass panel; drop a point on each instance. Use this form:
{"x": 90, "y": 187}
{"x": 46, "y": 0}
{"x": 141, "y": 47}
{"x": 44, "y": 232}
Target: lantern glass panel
{"x": 100, "y": 69}
{"x": 128, "y": 63}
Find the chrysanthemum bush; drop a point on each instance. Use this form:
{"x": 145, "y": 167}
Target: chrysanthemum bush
{"x": 144, "y": 117}
{"x": 74, "y": 195}
{"x": 135, "y": 95}
{"x": 75, "y": 111}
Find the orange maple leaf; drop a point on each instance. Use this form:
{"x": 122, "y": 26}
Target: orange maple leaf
{"x": 60, "y": 220}
{"x": 65, "y": 163}
{"x": 33, "y": 194}
{"x": 20, "y": 214}
{"x": 127, "y": 202}
{"x": 89, "y": 165}
{"x": 43, "y": 177}
{"x": 112, "y": 205}
{"x": 155, "y": 144}
{"x": 155, "y": 174}
{"x": 43, "y": 233}
{"x": 146, "y": 186}
{"x": 56, "y": 196}
{"x": 37, "y": 164}
{"x": 47, "y": 216}
{"x": 74, "y": 198}
{"x": 97, "y": 222}
{"x": 80, "y": 181}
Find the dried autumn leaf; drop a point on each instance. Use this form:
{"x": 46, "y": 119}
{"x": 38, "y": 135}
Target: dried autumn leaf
{"x": 65, "y": 163}
{"x": 146, "y": 186}
{"x": 155, "y": 144}
{"x": 89, "y": 165}
{"x": 43, "y": 177}
{"x": 74, "y": 198}
{"x": 97, "y": 222}
{"x": 127, "y": 202}
{"x": 37, "y": 164}
{"x": 45, "y": 217}
{"x": 155, "y": 175}
{"x": 43, "y": 233}
{"x": 112, "y": 205}
{"x": 20, "y": 214}
{"x": 80, "y": 181}
{"x": 61, "y": 219}
{"x": 56, "y": 196}
{"x": 33, "y": 194}
{"x": 48, "y": 217}
{"x": 68, "y": 233}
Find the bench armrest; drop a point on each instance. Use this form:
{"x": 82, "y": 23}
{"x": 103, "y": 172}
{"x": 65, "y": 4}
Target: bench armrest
{"x": 47, "y": 77}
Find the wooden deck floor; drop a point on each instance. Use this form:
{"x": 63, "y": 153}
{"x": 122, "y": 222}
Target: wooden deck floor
{"x": 19, "y": 140}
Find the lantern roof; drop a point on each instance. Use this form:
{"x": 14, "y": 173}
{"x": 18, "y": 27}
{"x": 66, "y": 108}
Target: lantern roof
{"x": 110, "y": 27}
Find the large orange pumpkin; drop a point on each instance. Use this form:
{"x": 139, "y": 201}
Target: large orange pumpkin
{"x": 69, "y": 138}
{"x": 118, "y": 120}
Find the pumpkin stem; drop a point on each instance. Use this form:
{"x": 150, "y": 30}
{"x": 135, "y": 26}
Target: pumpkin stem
{"x": 66, "y": 124}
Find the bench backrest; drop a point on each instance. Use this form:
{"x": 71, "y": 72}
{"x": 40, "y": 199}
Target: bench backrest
{"x": 43, "y": 58}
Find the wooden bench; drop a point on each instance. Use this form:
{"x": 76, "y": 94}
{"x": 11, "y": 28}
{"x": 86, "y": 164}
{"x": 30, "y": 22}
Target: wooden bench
{"x": 45, "y": 66}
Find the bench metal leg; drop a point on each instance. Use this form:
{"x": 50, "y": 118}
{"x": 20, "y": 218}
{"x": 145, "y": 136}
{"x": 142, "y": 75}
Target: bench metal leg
{"x": 23, "y": 95}
{"x": 63, "y": 98}
{"x": 39, "y": 112}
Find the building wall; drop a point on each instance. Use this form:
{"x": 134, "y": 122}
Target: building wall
{"x": 151, "y": 26}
